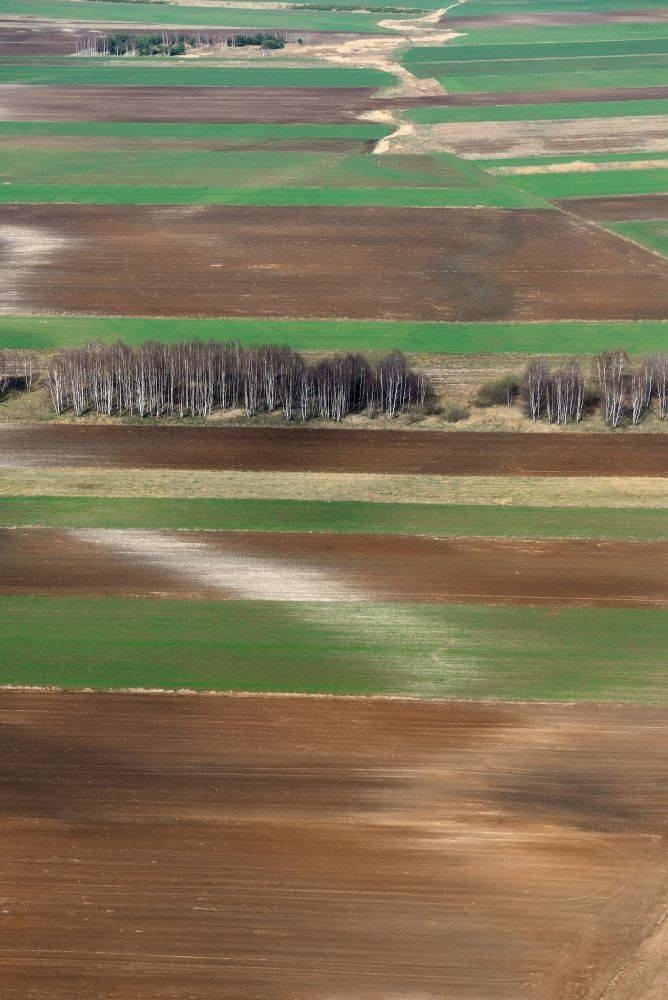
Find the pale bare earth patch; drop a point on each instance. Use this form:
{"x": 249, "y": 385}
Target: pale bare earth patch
{"x": 544, "y": 137}
{"x": 23, "y": 249}
{"x": 531, "y": 491}
{"x": 245, "y": 576}
{"x": 578, "y": 167}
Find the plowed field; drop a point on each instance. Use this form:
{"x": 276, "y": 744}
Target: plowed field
{"x": 297, "y": 450}
{"x": 162, "y": 846}
{"x": 375, "y": 263}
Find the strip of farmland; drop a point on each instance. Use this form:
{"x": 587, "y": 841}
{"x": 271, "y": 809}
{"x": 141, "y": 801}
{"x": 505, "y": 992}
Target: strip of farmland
{"x": 297, "y": 450}
{"x": 301, "y": 567}
{"x": 447, "y": 264}
{"x": 254, "y": 847}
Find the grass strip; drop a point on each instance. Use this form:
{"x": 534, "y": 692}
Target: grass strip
{"x": 48, "y": 332}
{"x": 472, "y": 651}
{"x": 340, "y": 517}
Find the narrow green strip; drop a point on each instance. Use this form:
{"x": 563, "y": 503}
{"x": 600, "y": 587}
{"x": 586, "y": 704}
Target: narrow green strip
{"x": 47, "y": 332}
{"x": 433, "y": 520}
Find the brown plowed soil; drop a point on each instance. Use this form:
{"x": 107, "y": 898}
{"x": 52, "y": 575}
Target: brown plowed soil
{"x": 233, "y": 105}
{"x": 557, "y": 19}
{"x": 374, "y": 263}
{"x": 209, "y": 564}
{"x": 239, "y": 105}
{"x": 273, "y": 848}
{"x": 297, "y": 450}
{"x": 640, "y": 207}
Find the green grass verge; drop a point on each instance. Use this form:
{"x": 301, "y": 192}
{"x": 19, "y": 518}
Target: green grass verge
{"x": 210, "y": 17}
{"x": 473, "y": 651}
{"x": 47, "y": 332}
{"x": 540, "y": 112}
{"x": 184, "y": 73}
{"x": 653, "y": 235}
{"x": 433, "y": 520}
{"x": 399, "y": 197}
{"x": 597, "y": 184}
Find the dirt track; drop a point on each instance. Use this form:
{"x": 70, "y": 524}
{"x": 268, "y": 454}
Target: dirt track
{"x": 293, "y": 567}
{"x": 632, "y": 207}
{"x": 267, "y": 848}
{"x": 297, "y": 450}
{"x": 374, "y": 263}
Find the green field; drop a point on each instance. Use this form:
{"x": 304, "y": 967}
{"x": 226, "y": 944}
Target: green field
{"x": 186, "y": 73}
{"x": 458, "y": 51}
{"x": 474, "y": 651}
{"x": 539, "y": 112}
{"x": 426, "y": 197}
{"x": 185, "y": 16}
{"x": 653, "y": 235}
{"x": 168, "y": 131}
{"x": 597, "y": 74}
{"x": 46, "y": 332}
{"x": 597, "y": 184}
{"x": 433, "y": 520}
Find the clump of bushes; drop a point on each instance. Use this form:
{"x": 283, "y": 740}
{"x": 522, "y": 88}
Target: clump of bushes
{"x": 196, "y": 378}
{"x": 500, "y": 392}
{"x": 453, "y": 413}
{"x": 263, "y": 39}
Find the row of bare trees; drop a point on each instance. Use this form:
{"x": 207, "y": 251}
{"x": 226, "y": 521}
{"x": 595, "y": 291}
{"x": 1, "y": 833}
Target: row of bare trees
{"x": 17, "y": 370}
{"x": 195, "y": 378}
{"x": 122, "y": 43}
{"x": 625, "y": 390}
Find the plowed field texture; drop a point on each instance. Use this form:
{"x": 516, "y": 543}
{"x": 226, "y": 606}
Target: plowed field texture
{"x": 296, "y": 711}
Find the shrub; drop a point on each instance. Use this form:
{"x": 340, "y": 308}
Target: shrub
{"x": 454, "y": 413}
{"x": 502, "y": 391}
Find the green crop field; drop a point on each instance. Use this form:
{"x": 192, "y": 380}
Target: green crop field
{"x": 169, "y": 131}
{"x": 597, "y": 184}
{"x": 186, "y": 73}
{"x": 426, "y": 197}
{"x": 475, "y": 651}
{"x": 48, "y": 332}
{"x": 193, "y": 16}
{"x": 653, "y": 235}
{"x": 458, "y": 51}
{"x": 433, "y": 520}
{"x": 597, "y": 74}
{"x": 539, "y": 112}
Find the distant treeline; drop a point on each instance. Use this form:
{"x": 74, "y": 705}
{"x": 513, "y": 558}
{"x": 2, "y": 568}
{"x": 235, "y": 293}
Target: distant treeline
{"x": 349, "y": 9}
{"x": 169, "y": 43}
{"x": 194, "y": 379}
{"x": 563, "y": 395}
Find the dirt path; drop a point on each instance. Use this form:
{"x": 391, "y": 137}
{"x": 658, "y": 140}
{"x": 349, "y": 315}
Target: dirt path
{"x": 297, "y": 450}
{"x": 222, "y": 847}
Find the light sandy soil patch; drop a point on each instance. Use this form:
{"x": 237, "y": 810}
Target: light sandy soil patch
{"x": 219, "y": 564}
{"x": 158, "y": 845}
{"x": 24, "y": 249}
{"x": 309, "y": 450}
{"x": 323, "y": 567}
{"x": 533, "y": 491}
{"x": 491, "y": 140}
{"x": 578, "y": 167}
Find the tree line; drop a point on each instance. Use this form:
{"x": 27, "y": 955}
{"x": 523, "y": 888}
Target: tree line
{"x": 17, "y": 370}
{"x": 170, "y": 43}
{"x": 623, "y": 390}
{"x": 192, "y": 379}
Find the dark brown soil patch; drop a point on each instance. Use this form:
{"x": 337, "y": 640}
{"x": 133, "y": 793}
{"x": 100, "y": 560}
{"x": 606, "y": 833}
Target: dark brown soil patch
{"x": 642, "y": 207}
{"x": 223, "y": 105}
{"x": 233, "y": 144}
{"x": 528, "y": 97}
{"x": 297, "y": 450}
{"x": 373, "y": 263}
{"x": 268, "y": 848}
{"x": 382, "y": 568}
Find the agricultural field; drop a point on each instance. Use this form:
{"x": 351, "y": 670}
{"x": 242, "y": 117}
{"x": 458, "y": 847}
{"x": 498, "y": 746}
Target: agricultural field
{"x": 333, "y": 510}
